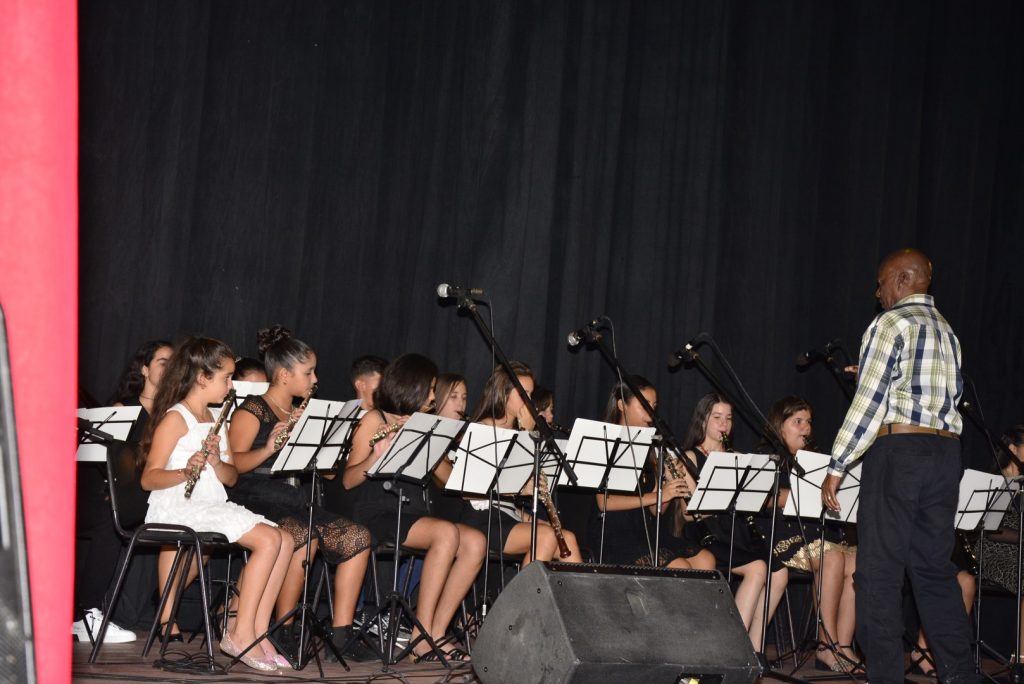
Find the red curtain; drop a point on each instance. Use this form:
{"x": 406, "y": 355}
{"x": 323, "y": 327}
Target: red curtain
{"x": 39, "y": 291}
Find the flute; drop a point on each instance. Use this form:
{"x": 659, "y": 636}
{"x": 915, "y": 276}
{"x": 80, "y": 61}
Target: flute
{"x": 193, "y": 475}
{"x": 282, "y": 437}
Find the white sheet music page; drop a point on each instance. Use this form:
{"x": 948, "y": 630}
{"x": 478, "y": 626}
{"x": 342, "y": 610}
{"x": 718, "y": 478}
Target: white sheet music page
{"x": 982, "y": 495}
{"x": 309, "y": 435}
{"x": 480, "y": 453}
{"x": 597, "y": 448}
{"x": 400, "y": 455}
{"x": 726, "y": 473}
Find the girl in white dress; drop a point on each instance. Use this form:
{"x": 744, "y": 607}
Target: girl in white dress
{"x": 177, "y": 441}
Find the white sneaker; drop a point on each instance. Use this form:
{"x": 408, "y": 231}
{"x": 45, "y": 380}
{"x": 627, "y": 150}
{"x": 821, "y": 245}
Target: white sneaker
{"x": 115, "y": 634}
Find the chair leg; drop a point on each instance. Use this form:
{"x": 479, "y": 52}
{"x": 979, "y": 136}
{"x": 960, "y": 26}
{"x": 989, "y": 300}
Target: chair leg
{"x": 206, "y": 603}
{"x": 164, "y": 594}
{"x": 98, "y": 637}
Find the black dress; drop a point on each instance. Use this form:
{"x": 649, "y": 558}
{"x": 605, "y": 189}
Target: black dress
{"x": 376, "y": 507}
{"x": 746, "y": 545}
{"x": 287, "y": 505}
{"x": 629, "y": 535}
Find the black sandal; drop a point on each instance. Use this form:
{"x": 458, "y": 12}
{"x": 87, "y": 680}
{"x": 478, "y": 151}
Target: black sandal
{"x": 924, "y": 655}
{"x": 456, "y": 655}
{"x": 175, "y": 636}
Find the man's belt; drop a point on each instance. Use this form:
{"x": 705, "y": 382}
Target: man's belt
{"x": 904, "y": 429}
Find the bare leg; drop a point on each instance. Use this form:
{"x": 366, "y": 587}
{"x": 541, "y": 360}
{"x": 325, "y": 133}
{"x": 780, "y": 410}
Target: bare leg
{"x": 468, "y": 560}
{"x": 295, "y": 577}
{"x": 164, "y": 562}
{"x": 348, "y": 582}
{"x": 780, "y": 578}
{"x": 704, "y": 560}
{"x": 265, "y": 610}
{"x": 440, "y": 539}
{"x": 753, "y": 575}
{"x": 847, "y": 620}
{"x": 264, "y": 544}
{"x": 831, "y": 578}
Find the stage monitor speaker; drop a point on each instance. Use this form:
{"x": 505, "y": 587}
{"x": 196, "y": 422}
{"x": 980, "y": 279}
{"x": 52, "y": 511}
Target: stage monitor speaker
{"x": 602, "y": 623}
{"x": 17, "y": 663}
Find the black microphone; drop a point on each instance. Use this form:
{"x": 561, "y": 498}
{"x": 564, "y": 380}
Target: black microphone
{"x": 578, "y": 337}
{"x": 684, "y": 352}
{"x": 444, "y": 291}
{"x": 808, "y": 357}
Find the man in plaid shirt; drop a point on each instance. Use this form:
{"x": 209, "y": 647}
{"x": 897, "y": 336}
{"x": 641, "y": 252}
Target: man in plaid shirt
{"x": 904, "y": 419}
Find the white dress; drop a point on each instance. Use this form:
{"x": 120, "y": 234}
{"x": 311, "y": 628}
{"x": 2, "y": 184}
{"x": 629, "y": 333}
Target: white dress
{"x": 208, "y": 510}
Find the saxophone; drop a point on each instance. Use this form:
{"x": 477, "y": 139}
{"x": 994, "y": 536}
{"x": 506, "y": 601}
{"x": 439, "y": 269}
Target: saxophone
{"x": 282, "y": 437}
{"x": 544, "y": 494}
{"x": 193, "y": 475}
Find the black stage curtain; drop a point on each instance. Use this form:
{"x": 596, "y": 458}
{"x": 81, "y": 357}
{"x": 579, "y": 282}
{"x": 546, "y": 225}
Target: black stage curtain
{"x": 732, "y": 167}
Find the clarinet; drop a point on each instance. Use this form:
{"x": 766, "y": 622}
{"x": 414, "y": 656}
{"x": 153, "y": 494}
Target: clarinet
{"x": 704, "y": 533}
{"x": 193, "y": 475}
{"x": 282, "y": 437}
{"x": 556, "y": 523}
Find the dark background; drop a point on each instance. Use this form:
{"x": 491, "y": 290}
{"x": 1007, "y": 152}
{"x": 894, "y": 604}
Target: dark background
{"x": 732, "y": 167}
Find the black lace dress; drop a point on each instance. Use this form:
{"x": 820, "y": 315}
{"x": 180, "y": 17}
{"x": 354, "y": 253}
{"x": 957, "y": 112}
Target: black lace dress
{"x": 274, "y": 498}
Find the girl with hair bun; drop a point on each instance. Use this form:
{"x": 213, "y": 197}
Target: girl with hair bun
{"x": 177, "y": 442}
{"x": 291, "y": 369}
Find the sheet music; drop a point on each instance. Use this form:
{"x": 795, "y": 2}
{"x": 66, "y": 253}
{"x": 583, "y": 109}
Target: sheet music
{"x": 747, "y": 478}
{"x": 805, "y": 491}
{"x": 321, "y": 432}
{"x": 406, "y": 457}
{"x": 983, "y": 495}
{"x": 116, "y": 421}
{"x": 245, "y": 388}
{"x": 482, "y": 450}
{"x": 595, "y": 449}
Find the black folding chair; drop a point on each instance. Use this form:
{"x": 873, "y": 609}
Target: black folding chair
{"x": 129, "y": 503}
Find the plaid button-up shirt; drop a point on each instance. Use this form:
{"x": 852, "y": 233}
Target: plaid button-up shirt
{"x": 909, "y": 373}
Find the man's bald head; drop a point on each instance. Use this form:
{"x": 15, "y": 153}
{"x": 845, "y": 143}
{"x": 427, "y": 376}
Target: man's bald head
{"x": 901, "y": 274}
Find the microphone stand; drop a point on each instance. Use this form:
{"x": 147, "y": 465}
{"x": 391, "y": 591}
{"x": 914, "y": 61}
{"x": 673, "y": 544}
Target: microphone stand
{"x": 547, "y": 436}
{"x": 669, "y": 439}
{"x": 689, "y": 354}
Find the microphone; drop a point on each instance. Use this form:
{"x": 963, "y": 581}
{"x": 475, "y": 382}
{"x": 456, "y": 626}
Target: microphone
{"x": 578, "y": 337}
{"x": 683, "y": 353}
{"x": 444, "y": 291}
{"x": 808, "y": 357}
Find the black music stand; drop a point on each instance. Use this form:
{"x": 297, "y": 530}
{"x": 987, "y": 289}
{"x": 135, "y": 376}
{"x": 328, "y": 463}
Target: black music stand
{"x": 490, "y": 461}
{"x": 408, "y": 462}
{"x": 984, "y": 500}
{"x": 805, "y": 502}
{"x": 318, "y": 441}
{"x": 731, "y": 482}
{"x": 99, "y": 426}
{"x": 606, "y": 457}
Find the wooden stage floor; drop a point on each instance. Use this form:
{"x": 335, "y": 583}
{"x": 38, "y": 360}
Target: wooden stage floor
{"x": 124, "y": 663}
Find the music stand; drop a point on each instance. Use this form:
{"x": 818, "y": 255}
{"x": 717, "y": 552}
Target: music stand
{"x": 805, "y": 502}
{"x": 318, "y": 441}
{"x": 605, "y": 457}
{"x": 731, "y": 482}
{"x": 99, "y": 426}
{"x": 489, "y": 462}
{"x": 414, "y": 452}
{"x": 984, "y": 500}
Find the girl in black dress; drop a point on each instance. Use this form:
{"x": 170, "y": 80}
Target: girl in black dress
{"x": 629, "y": 519}
{"x": 501, "y": 406}
{"x": 255, "y": 426}
{"x": 710, "y": 425}
{"x": 454, "y": 552}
